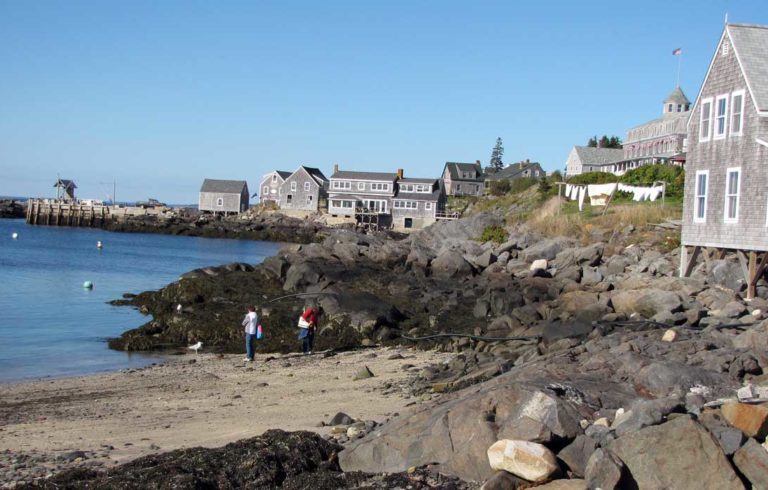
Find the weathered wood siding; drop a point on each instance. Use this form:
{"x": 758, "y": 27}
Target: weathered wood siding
{"x": 230, "y": 203}
{"x": 300, "y": 198}
{"x": 269, "y": 189}
{"x": 750, "y": 231}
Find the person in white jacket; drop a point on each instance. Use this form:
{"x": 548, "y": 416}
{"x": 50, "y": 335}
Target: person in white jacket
{"x": 250, "y": 322}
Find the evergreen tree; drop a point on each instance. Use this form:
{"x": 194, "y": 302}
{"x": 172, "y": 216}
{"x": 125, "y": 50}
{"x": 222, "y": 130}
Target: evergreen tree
{"x": 604, "y": 142}
{"x": 498, "y": 151}
{"x": 592, "y": 143}
{"x": 614, "y": 142}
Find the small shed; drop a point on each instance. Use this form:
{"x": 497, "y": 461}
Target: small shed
{"x": 65, "y": 189}
{"x": 224, "y": 196}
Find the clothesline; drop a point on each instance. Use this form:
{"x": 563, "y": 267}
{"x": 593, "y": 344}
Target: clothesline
{"x": 600, "y": 194}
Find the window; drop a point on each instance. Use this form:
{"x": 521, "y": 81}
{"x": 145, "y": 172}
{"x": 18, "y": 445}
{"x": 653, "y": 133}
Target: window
{"x": 405, "y": 204}
{"x": 274, "y": 178}
{"x": 265, "y": 190}
{"x": 706, "y": 120}
{"x": 669, "y": 108}
{"x": 726, "y": 48}
{"x": 220, "y": 202}
{"x": 679, "y": 107}
{"x": 361, "y": 186}
{"x": 732, "y": 195}
{"x": 376, "y": 186}
{"x": 737, "y": 110}
{"x": 293, "y": 186}
{"x": 306, "y": 186}
{"x": 342, "y": 185}
{"x": 289, "y": 198}
{"x": 700, "y": 198}
{"x": 428, "y": 206}
{"x": 721, "y": 116}
{"x": 406, "y": 187}
{"x": 309, "y": 199}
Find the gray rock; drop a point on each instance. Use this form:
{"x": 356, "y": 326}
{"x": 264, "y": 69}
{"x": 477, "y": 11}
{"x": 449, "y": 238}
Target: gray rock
{"x": 483, "y": 260}
{"x": 341, "y": 418}
{"x": 683, "y": 456}
{"x": 577, "y": 454}
{"x": 451, "y": 264}
{"x": 752, "y": 462}
{"x": 545, "y": 249}
{"x": 590, "y": 276}
{"x": 729, "y": 438}
{"x": 646, "y": 302}
{"x": 363, "y": 373}
{"x": 645, "y": 413}
{"x": 603, "y": 471}
{"x": 301, "y": 275}
{"x": 584, "y": 256}
{"x": 503, "y": 481}
{"x": 726, "y": 274}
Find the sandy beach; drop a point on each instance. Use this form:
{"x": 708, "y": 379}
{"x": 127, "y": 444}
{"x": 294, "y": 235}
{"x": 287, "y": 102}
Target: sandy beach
{"x": 194, "y": 400}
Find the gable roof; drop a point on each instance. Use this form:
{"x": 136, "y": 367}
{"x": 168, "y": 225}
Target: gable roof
{"x": 416, "y": 180}
{"x": 283, "y": 174}
{"x": 224, "y": 186}
{"x": 513, "y": 169}
{"x": 677, "y": 97}
{"x": 316, "y": 174}
{"x": 346, "y": 174}
{"x": 65, "y": 183}
{"x": 598, "y": 156}
{"x": 750, "y": 42}
{"x": 455, "y": 167}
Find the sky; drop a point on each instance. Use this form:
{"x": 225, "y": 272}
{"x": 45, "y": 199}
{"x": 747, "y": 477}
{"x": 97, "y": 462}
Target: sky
{"x": 157, "y": 95}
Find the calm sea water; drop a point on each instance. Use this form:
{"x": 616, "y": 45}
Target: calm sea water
{"x": 51, "y": 326}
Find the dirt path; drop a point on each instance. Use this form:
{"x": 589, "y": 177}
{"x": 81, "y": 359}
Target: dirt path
{"x": 196, "y": 400}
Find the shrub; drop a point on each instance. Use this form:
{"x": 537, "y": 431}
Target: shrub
{"x": 500, "y": 187}
{"x": 494, "y": 234}
{"x": 646, "y": 175}
{"x": 521, "y": 184}
{"x": 593, "y": 178}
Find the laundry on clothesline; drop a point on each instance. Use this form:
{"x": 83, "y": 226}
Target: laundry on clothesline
{"x": 641, "y": 193}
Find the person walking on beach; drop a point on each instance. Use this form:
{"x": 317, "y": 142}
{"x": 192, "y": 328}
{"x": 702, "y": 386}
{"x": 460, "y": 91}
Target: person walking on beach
{"x": 250, "y": 322}
{"x": 307, "y": 326}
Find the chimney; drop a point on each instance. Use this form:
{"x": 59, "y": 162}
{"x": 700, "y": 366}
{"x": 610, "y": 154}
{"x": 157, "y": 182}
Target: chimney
{"x": 399, "y": 173}
{"x": 477, "y": 162}
{"x": 335, "y": 167}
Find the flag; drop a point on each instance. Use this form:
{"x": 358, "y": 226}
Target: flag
{"x": 677, "y": 52}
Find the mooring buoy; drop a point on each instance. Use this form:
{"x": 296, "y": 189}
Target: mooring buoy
{"x": 87, "y": 285}
{"x": 14, "y": 235}
{"x": 99, "y": 244}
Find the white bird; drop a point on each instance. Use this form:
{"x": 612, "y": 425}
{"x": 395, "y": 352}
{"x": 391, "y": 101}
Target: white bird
{"x": 196, "y": 347}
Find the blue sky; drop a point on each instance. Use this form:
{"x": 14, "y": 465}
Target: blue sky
{"x": 158, "y": 95}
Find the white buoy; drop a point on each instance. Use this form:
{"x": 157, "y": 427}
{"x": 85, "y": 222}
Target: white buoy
{"x": 178, "y": 307}
{"x": 14, "y": 235}
{"x": 88, "y": 285}
{"x": 99, "y": 244}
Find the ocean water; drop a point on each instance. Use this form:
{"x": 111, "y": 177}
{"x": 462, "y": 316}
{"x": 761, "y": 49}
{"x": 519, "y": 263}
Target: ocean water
{"x": 51, "y": 326}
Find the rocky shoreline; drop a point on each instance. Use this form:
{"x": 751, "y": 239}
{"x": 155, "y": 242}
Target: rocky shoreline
{"x": 12, "y": 209}
{"x": 585, "y": 363}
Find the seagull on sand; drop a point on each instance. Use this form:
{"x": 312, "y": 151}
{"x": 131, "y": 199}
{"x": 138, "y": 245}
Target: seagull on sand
{"x": 196, "y": 347}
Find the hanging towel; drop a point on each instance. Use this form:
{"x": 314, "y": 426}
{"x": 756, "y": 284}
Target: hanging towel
{"x": 574, "y": 192}
{"x": 655, "y": 193}
{"x": 601, "y": 189}
{"x": 637, "y": 194}
{"x": 582, "y": 194}
{"x": 568, "y": 190}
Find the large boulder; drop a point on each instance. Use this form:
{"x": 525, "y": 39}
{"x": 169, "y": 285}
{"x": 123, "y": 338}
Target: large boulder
{"x": 679, "y": 454}
{"x": 451, "y": 264}
{"x": 456, "y": 433}
{"x": 752, "y": 420}
{"x": 582, "y": 256}
{"x": 752, "y": 462}
{"x": 528, "y": 460}
{"x": 545, "y": 249}
{"x": 726, "y": 274}
{"x": 646, "y": 302}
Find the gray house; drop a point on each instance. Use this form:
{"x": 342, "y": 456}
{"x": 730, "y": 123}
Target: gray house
{"x": 726, "y": 179}
{"x": 463, "y": 179}
{"x": 371, "y": 192}
{"x": 584, "y": 159}
{"x": 303, "y": 190}
{"x": 417, "y": 203}
{"x": 65, "y": 189}
{"x": 223, "y": 196}
{"x": 271, "y": 185}
{"x": 517, "y": 171}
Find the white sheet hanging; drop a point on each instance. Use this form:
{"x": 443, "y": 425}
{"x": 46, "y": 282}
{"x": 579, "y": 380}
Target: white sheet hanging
{"x": 601, "y": 189}
{"x": 575, "y": 192}
{"x": 655, "y": 193}
{"x": 568, "y": 190}
{"x": 582, "y": 194}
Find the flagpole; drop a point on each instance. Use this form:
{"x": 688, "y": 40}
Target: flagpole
{"x": 679, "y": 59}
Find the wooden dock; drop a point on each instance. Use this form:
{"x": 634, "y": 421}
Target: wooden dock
{"x": 66, "y": 213}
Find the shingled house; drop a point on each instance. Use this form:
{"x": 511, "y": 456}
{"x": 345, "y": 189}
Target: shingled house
{"x": 223, "y": 196}
{"x": 463, "y": 179}
{"x": 517, "y": 170}
{"x": 303, "y": 191}
{"x": 362, "y": 193}
{"x": 418, "y": 203}
{"x": 726, "y": 182}
{"x": 584, "y": 159}
{"x": 65, "y": 189}
{"x": 271, "y": 185}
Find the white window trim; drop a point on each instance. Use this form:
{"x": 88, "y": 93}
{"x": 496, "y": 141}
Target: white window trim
{"x": 696, "y": 196}
{"x": 361, "y": 186}
{"x": 306, "y": 186}
{"x": 704, "y": 102}
{"x": 220, "y": 202}
{"x": 715, "y": 134}
{"x": 293, "y": 186}
{"x": 428, "y": 206}
{"x": 737, "y": 93}
{"x": 728, "y": 172}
